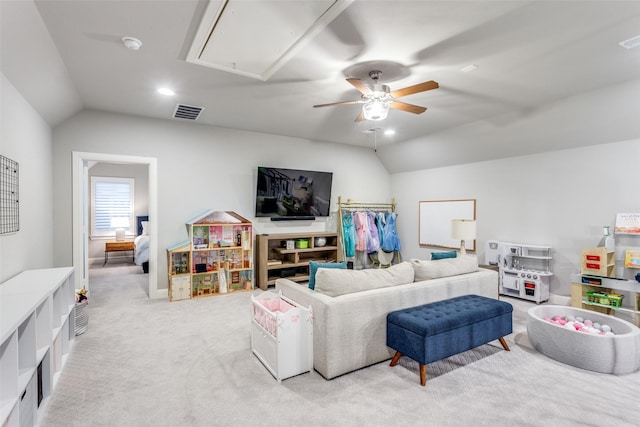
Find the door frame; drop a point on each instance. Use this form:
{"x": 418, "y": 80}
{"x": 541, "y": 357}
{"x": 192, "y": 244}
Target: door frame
{"x": 80, "y": 227}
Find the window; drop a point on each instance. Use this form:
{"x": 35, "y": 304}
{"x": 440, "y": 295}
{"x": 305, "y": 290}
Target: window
{"x": 111, "y": 206}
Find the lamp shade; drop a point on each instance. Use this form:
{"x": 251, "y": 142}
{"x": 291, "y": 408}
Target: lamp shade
{"x": 463, "y": 229}
{"x": 120, "y": 235}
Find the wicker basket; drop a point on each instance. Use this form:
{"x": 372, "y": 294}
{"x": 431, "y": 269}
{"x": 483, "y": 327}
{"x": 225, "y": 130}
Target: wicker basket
{"x": 82, "y": 317}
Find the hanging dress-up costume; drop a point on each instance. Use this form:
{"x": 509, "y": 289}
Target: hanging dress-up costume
{"x": 360, "y": 223}
{"x": 349, "y": 235}
{"x": 380, "y": 226}
{"x": 391, "y": 240}
{"x": 373, "y": 242}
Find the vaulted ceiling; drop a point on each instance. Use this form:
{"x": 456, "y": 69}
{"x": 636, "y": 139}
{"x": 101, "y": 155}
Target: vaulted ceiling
{"x": 539, "y": 65}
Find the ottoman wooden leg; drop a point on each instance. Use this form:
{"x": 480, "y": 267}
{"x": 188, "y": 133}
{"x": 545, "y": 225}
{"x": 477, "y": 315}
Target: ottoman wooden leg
{"x": 423, "y": 374}
{"x": 395, "y": 359}
{"x": 504, "y": 344}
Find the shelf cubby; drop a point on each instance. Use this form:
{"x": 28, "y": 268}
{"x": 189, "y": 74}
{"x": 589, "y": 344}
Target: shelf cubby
{"x": 583, "y": 283}
{"x": 37, "y": 321}
{"x": 275, "y": 260}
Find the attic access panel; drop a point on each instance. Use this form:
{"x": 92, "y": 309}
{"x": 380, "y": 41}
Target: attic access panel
{"x": 255, "y": 38}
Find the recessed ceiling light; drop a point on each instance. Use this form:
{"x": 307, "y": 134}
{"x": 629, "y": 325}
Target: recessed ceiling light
{"x": 468, "y": 68}
{"x": 131, "y": 43}
{"x": 389, "y": 132}
{"x": 630, "y": 43}
{"x": 166, "y": 91}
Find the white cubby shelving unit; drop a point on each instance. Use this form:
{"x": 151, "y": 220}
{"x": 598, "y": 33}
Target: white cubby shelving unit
{"x": 37, "y": 331}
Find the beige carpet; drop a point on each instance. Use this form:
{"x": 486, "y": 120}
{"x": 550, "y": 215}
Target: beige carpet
{"x": 155, "y": 363}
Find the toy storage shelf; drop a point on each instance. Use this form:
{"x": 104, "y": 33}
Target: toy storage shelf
{"x": 599, "y": 262}
{"x": 282, "y": 335}
{"x": 217, "y": 259}
{"x": 583, "y": 283}
{"x": 37, "y": 331}
{"x": 275, "y": 260}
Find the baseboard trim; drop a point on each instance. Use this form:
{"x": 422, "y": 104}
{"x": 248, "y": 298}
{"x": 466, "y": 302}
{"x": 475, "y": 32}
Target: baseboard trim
{"x": 559, "y": 299}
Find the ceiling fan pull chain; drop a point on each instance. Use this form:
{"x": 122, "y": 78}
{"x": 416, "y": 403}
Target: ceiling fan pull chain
{"x": 375, "y": 140}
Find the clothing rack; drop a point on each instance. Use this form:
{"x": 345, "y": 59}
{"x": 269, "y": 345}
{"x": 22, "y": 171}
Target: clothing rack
{"x": 352, "y": 205}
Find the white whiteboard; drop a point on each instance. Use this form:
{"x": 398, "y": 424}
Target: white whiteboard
{"x": 435, "y": 222}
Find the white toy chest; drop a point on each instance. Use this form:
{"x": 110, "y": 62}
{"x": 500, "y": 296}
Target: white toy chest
{"x": 282, "y": 335}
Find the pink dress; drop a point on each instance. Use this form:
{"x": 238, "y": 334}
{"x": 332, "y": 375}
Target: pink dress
{"x": 360, "y": 223}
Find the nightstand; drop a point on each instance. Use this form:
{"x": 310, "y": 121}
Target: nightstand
{"x": 117, "y": 247}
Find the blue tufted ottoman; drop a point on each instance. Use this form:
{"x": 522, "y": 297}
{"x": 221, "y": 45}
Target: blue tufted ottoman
{"x": 431, "y": 332}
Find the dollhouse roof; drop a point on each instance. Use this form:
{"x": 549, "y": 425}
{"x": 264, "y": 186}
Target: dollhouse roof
{"x": 218, "y": 217}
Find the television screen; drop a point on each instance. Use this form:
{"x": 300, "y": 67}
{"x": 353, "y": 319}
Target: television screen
{"x": 292, "y": 194}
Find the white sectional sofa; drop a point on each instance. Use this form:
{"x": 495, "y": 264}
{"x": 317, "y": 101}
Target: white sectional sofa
{"x": 350, "y": 306}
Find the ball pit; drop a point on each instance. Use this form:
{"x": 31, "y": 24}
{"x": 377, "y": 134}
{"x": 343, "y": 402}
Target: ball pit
{"x": 616, "y": 351}
{"x": 580, "y": 324}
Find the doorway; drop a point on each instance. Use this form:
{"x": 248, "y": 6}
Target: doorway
{"x": 81, "y": 162}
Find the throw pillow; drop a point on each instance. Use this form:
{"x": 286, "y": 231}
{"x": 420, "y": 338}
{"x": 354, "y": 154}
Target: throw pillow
{"x": 443, "y": 255}
{"x": 336, "y": 282}
{"x": 425, "y": 270}
{"x": 314, "y": 266}
{"x": 144, "y": 227}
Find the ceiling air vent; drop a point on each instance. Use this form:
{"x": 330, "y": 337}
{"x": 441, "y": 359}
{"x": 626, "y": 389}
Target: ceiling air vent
{"x": 187, "y": 112}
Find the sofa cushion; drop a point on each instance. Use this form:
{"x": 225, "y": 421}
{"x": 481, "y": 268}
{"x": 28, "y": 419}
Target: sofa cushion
{"x": 443, "y": 255}
{"x": 315, "y": 265}
{"x": 425, "y": 270}
{"x": 333, "y": 282}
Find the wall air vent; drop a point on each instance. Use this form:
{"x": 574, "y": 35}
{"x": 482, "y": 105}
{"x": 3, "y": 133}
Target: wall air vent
{"x": 187, "y": 112}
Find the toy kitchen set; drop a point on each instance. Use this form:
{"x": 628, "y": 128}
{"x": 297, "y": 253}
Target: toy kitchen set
{"x": 525, "y": 270}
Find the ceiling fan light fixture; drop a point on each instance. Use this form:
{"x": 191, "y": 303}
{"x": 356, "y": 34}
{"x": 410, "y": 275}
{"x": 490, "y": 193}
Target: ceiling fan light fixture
{"x": 375, "y": 109}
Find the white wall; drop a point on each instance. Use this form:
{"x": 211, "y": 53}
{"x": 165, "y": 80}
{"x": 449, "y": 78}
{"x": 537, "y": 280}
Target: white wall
{"x": 560, "y": 198}
{"x": 26, "y": 138}
{"x": 202, "y": 167}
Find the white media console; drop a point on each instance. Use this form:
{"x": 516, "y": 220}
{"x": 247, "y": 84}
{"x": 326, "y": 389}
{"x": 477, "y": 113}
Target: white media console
{"x": 37, "y": 331}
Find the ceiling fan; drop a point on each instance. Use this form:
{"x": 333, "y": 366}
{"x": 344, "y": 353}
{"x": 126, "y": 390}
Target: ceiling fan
{"x": 376, "y": 98}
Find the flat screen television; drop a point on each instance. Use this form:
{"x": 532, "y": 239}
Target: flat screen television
{"x": 290, "y": 194}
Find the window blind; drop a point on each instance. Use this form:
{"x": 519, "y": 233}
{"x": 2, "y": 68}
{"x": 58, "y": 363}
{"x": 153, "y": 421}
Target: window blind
{"x": 112, "y": 205}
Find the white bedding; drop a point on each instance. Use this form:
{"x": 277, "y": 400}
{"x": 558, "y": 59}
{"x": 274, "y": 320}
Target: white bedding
{"x": 141, "y": 252}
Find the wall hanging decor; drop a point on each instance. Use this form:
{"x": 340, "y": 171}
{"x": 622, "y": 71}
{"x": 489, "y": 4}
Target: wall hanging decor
{"x": 435, "y": 221}
{"x": 9, "y": 203}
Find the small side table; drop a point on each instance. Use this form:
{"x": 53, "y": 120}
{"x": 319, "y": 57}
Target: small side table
{"x": 117, "y": 247}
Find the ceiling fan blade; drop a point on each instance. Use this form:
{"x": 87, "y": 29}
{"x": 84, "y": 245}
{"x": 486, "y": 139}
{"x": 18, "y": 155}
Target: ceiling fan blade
{"x": 409, "y": 108}
{"x": 363, "y": 88}
{"x": 420, "y": 87}
{"x": 360, "y": 117}
{"x": 336, "y": 103}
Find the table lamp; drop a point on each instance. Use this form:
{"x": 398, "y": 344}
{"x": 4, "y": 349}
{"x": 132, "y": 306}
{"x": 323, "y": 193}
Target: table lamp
{"x": 463, "y": 229}
{"x": 120, "y": 224}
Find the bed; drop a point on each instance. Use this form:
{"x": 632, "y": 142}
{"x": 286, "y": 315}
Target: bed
{"x": 141, "y": 243}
